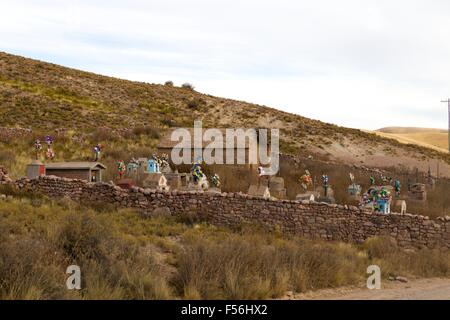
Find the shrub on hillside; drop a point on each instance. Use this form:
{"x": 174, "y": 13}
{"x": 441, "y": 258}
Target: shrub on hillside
{"x": 146, "y": 130}
{"x": 195, "y": 103}
{"x": 188, "y": 86}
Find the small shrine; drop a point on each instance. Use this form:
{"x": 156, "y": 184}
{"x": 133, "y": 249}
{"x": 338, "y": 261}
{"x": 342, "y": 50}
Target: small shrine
{"x": 378, "y": 199}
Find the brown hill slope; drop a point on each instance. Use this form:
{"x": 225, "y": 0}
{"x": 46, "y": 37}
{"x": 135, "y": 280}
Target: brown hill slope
{"x": 426, "y": 137}
{"x": 45, "y": 96}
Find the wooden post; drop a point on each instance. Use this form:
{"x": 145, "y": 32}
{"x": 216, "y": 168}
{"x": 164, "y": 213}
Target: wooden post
{"x": 448, "y": 104}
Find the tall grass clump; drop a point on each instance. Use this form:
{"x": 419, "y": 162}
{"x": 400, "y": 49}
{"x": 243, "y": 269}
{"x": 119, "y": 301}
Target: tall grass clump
{"x": 258, "y": 267}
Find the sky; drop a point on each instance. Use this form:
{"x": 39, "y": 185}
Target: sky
{"x": 356, "y": 63}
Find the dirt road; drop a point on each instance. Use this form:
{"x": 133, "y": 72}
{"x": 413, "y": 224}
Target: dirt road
{"x": 424, "y": 289}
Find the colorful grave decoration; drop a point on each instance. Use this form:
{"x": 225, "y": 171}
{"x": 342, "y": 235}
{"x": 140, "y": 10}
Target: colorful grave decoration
{"x": 354, "y": 189}
{"x": 197, "y": 172}
{"x": 152, "y": 166}
{"x": 162, "y": 161}
{"x": 352, "y": 177}
{"x": 133, "y": 166}
{"x": 379, "y": 198}
{"x": 121, "y": 168}
{"x": 215, "y": 180}
{"x": 325, "y": 184}
{"x": 50, "y": 154}
{"x": 306, "y": 180}
{"x": 372, "y": 180}
{"x": 37, "y": 148}
{"x": 97, "y": 149}
{"x": 397, "y": 188}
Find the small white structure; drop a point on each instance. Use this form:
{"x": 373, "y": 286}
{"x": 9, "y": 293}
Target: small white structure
{"x": 400, "y": 204}
{"x": 156, "y": 181}
{"x": 203, "y": 183}
{"x": 259, "y": 191}
{"x": 306, "y": 196}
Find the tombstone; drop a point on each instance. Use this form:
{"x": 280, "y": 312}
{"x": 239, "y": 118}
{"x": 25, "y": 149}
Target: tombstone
{"x": 152, "y": 166}
{"x": 418, "y": 192}
{"x": 309, "y": 195}
{"x": 329, "y": 198}
{"x": 259, "y": 191}
{"x": 35, "y": 169}
{"x": 174, "y": 180}
{"x": 132, "y": 168}
{"x": 354, "y": 190}
{"x": 276, "y": 187}
{"x": 185, "y": 179}
{"x": 166, "y": 169}
{"x": 126, "y": 183}
{"x": 156, "y": 181}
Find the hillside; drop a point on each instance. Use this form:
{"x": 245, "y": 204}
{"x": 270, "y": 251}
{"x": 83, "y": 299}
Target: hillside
{"x": 153, "y": 253}
{"x": 46, "y": 97}
{"x": 426, "y": 137}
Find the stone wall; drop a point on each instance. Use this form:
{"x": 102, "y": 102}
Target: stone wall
{"x": 9, "y": 134}
{"x": 309, "y": 220}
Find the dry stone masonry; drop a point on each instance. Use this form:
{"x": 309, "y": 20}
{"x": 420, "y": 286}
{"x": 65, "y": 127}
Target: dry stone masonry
{"x": 304, "y": 218}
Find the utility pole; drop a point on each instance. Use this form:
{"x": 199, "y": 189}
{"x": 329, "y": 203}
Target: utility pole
{"x": 448, "y": 103}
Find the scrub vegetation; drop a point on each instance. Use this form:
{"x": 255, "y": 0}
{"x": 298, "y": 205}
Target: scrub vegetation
{"x": 125, "y": 254}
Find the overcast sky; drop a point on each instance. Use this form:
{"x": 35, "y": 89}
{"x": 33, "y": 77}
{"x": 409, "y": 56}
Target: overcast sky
{"x": 357, "y": 63}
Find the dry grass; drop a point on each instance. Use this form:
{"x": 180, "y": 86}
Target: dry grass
{"x": 125, "y": 255}
{"x": 257, "y": 267}
{"x": 430, "y": 138}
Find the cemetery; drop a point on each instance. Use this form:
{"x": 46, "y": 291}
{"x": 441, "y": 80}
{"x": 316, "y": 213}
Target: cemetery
{"x": 377, "y": 206}
{"x": 158, "y": 173}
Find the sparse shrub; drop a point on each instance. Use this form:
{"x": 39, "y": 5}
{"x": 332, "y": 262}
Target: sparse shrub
{"x": 6, "y": 156}
{"x": 168, "y": 83}
{"x": 103, "y": 134}
{"x": 259, "y": 267}
{"x": 81, "y": 237}
{"x": 146, "y": 130}
{"x": 397, "y": 261}
{"x": 124, "y": 255}
{"x": 188, "y": 86}
{"x": 168, "y": 121}
{"x": 195, "y": 103}
{"x": 30, "y": 268}
{"x": 191, "y": 218}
